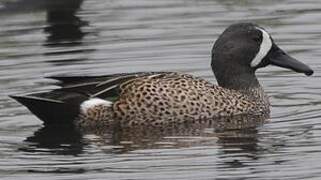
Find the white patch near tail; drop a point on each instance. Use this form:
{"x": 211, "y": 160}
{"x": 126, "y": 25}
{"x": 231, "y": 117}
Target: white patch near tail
{"x": 265, "y": 47}
{"x": 86, "y": 105}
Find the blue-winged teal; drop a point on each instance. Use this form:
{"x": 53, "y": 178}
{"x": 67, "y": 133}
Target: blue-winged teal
{"x": 160, "y": 98}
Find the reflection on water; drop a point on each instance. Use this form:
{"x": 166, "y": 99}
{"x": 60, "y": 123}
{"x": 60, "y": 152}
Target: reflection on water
{"x": 238, "y": 129}
{"x": 63, "y": 23}
{"x": 233, "y": 143}
{"x": 67, "y": 142}
{"x": 40, "y": 38}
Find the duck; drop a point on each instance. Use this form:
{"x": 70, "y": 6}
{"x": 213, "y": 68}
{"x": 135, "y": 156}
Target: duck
{"x": 163, "y": 98}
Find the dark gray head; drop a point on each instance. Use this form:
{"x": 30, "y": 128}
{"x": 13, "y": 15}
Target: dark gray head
{"x": 242, "y": 49}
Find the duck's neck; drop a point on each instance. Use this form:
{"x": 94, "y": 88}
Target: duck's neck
{"x": 249, "y": 86}
{"x": 246, "y": 83}
{"x": 238, "y": 81}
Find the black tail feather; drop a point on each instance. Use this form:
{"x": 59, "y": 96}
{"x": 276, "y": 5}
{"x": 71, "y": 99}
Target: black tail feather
{"x": 53, "y": 111}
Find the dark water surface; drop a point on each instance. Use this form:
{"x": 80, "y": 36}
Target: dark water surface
{"x": 39, "y": 38}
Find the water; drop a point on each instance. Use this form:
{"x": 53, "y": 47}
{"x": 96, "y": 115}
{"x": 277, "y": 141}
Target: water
{"x": 41, "y": 38}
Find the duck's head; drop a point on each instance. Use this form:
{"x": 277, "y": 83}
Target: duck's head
{"x": 242, "y": 49}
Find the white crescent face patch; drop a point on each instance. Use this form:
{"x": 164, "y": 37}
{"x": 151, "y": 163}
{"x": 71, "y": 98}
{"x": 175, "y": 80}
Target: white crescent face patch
{"x": 265, "y": 47}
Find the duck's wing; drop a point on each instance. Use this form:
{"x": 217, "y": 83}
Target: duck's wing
{"x": 74, "y": 80}
{"x": 61, "y": 106}
{"x": 106, "y": 86}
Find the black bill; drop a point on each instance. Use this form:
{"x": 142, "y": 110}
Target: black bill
{"x": 279, "y": 58}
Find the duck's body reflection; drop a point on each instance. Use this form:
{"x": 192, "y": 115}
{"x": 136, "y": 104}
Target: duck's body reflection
{"x": 239, "y": 130}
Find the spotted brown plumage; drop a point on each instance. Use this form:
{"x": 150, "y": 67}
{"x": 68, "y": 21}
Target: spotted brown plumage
{"x": 170, "y": 98}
